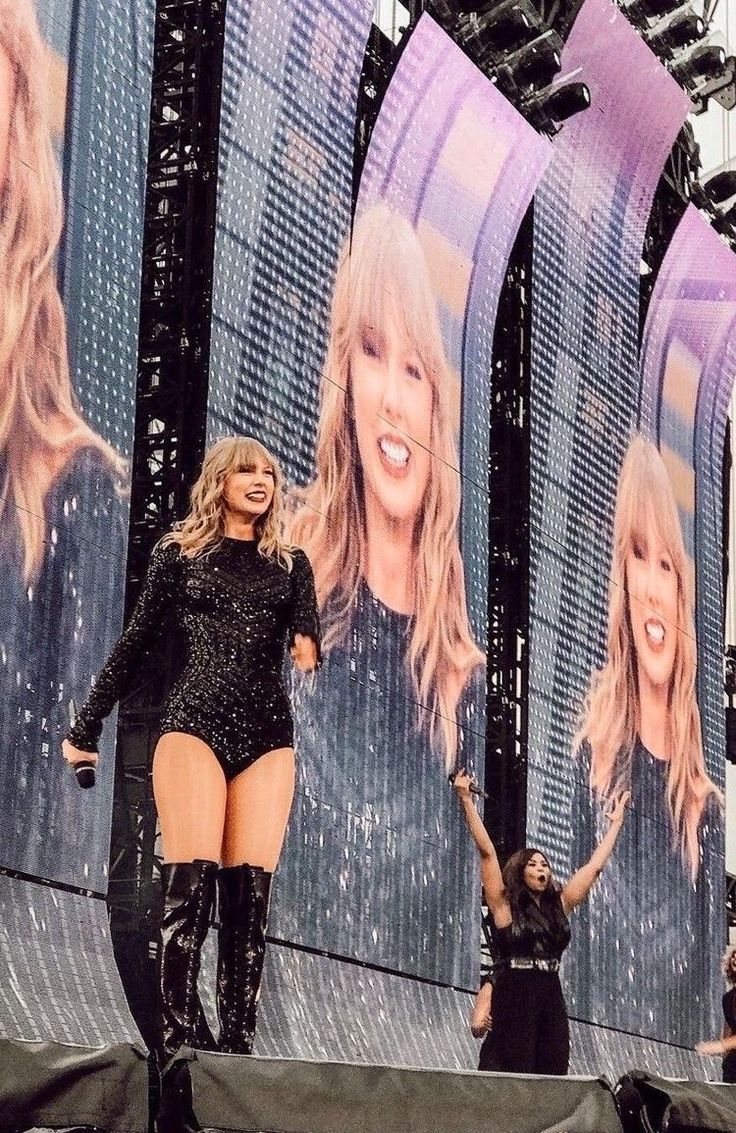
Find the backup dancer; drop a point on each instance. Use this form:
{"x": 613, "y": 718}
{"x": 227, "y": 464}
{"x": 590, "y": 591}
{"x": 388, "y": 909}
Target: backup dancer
{"x": 529, "y": 917}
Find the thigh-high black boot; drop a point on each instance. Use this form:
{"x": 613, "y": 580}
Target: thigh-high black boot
{"x": 189, "y": 893}
{"x": 243, "y": 894}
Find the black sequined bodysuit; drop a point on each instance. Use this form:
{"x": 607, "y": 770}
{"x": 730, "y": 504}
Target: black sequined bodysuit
{"x": 235, "y": 611}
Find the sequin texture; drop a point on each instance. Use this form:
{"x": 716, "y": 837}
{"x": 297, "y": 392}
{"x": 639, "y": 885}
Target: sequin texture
{"x": 235, "y": 612}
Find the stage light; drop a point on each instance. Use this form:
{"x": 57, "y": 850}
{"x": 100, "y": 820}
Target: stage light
{"x": 722, "y": 88}
{"x": 556, "y": 103}
{"x": 564, "y": 101}
{"x": 536, "y": 64}
{"x": 495, "y": 29}
{"x": 721, "y": 186}
{"x": 702, "y": 64}
{"x": 641, "y": 11}
{"x": 684, "y": 27}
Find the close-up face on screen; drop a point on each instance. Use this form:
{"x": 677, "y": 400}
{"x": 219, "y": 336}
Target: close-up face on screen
{"x": 66, "y": 414}
{"x": 623, "y": 650}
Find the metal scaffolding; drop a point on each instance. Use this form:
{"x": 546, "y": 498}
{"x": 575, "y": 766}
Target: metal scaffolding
{"x": 171, "y": 412}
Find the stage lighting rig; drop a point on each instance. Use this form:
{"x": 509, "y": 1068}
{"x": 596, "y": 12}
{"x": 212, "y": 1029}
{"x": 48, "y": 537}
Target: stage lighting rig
{"x": 679, "y": 36}
{"x": 536, "y": 64}
{"x": 517, "y": 49}
{"x": 492, "y": 31}
{"x": 641, "y": 13}
{"x": 557, "y": 103}
{"x": 679, "y": 29}
{"x": 721, "y": 186}
{"x": 716, "y": 199}
{"x": 702, "y": 64}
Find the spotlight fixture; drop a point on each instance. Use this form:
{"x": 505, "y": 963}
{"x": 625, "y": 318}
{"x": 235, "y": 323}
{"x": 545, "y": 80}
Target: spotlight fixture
{"x": 536, "y": 64}
{"x": 702, "y": 64}
{"x": 681, "y": 29}
{"x": 640, "y": 12}
{"x": 502, "y": 27}
{"x": 564, "y": 101}
{"x": 489, "y": 33}
{"x": 557, "y": 103}
{"x": 721, "y": 187}
{"x": 722, "y": 87}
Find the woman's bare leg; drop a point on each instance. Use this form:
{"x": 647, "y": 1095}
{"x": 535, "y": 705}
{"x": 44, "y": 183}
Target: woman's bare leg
{"x": 258, "y": 806}
{"x": 191, "y": 797}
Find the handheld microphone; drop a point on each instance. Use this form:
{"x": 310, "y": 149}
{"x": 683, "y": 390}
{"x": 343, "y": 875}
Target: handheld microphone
{"x": 85, "y": 773}
{"x": 474, "y": 788}
{"x": 85, "y": 769}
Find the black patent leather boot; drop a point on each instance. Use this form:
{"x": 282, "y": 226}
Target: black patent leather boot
{"x": 189, "y": 893}
{"x": 243, "y": 895}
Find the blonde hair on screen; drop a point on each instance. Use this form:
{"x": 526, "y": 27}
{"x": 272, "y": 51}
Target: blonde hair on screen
{"x": 40, "y": 423}
{"x": 382, "y": 273}
{"x": 610, "y": 719}
{"x": 204, "y": 526}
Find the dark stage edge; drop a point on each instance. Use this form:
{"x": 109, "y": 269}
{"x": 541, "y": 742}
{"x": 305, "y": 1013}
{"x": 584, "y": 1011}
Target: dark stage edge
{"x": 56, "y": 1085}
{"x": 233, "y": 1094}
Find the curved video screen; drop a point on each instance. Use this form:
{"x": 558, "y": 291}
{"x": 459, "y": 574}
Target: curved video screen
{"x": 71, "y": 181}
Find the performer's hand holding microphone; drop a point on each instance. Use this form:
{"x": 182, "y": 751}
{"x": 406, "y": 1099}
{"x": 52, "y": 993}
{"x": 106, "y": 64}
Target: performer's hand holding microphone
{"x": 82, "y": 763}
{"x": 460, "y": 780}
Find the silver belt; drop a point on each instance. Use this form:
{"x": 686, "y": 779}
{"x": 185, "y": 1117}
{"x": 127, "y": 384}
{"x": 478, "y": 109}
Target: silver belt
{"x": 527, "y": 962}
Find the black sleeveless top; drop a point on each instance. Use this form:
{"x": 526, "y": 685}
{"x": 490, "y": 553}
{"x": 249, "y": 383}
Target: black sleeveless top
{"x": 537, "y": 932}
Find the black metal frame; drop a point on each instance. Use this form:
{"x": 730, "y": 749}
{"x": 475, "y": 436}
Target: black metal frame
{"x": 508, "y": 576}
{"x": 171, "y": 413}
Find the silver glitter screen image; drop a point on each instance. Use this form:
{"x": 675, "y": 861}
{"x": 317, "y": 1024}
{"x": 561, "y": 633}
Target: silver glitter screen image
{"x": 74, "y": 82}
{"x": 618, "y": 673}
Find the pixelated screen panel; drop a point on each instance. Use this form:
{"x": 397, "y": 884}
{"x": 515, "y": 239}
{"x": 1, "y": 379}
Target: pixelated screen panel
{"x": 74, "y": 82}
{"x": 60, "y": 983}
{"x": 611, "y": 606}
{"x": 377, "y": 863}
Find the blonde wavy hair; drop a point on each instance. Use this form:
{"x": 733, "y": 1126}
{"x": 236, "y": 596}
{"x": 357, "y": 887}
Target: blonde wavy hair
{"x": 40, "y": 423}
{"x": 382, "y": 273}
{"x": 610, "y": 718}
{"x": 204, "y": 527}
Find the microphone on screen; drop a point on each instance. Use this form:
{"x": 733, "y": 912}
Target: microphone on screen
{"x": 84, "y": 770}
{"x": 474, "y": 788}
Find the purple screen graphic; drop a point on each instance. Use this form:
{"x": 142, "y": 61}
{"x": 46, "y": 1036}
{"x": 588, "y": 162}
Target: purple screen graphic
{"x": 688, "y": 367}
{"x": 464, "y": 176}
{"x": 634, "y": 963}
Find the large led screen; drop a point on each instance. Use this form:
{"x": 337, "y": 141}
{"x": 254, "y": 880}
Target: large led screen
{"x": 615, "y": 702}
{"x": 378, "y": 406}
{"x": 74, "y": 81}
{"x": 401, "y": 698}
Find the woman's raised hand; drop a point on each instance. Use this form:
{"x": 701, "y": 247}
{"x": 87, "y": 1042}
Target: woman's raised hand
{"x": 462, "y": 782}
{"x": 304, "y": 653}
{"x": 617, "y": 813}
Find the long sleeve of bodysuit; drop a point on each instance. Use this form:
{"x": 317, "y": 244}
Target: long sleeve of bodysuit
{"x": 304, "y": 615}
{"x": 152, "y": 613}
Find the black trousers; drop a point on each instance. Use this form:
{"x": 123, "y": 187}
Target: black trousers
{"x": 488, "y": 1055}
{"x": 530, "y": 1024}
